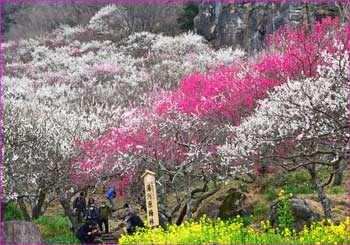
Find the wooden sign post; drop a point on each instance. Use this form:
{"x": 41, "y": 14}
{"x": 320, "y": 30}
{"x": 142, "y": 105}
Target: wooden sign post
{"x": 149, "y": 179}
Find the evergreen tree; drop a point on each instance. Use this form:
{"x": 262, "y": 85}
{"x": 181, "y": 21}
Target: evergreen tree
{"x": 185, "y": 21}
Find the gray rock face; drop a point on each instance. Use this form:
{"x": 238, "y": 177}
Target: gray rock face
{"x": 245, "y": 25}
{"x": 302, "y": 213}
{"x": 16, "y": 232}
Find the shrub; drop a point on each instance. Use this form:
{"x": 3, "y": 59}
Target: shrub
{"x": 55, "y": 229}
{"x": 190, "y": 11}
{"x": 11, "y": 212}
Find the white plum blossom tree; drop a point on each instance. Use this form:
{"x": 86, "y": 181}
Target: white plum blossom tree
{"x": 303, "y": 124}
{"x": 72, "y": 85}
{"x": 111, "y": 18}
{"x": 39, "y": 132}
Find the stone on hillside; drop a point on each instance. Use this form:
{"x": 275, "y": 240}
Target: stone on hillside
{"x": 17, "y": 232}
{"x": 226, "y": 205}
{"x": 303, "y": 215}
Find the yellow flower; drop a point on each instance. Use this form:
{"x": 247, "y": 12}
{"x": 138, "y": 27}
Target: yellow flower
{"x": 251, "y": 230}
{"x": 224, "y": 232}
{"x": 347, "y": 221}
{"x": 287, "y": 232}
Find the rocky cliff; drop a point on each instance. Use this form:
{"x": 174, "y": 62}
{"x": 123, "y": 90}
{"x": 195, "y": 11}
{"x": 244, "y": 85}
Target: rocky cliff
{"x": 245, "y": 24}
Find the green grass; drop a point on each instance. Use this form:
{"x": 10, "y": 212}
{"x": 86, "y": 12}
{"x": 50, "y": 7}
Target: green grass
{"x": 298, "y": 182}
{"x": 11, "y": 212}
{"x": 271, "y": 195}
{"x": 56, "y": 230}
{"x": 301, "y": 176}
{"x": 247, "y": 220}
{"x": 336, "y": 189}
{"x": 300, "y": 189}
{"x": 67, "y": 238}
{"x": 259, "y": 210}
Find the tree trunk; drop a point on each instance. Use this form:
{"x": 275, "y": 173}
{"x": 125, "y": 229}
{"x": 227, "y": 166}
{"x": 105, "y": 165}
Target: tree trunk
{"x": 188, "y": 196}
{"x": 65, "y": 203}
{"x": 338, "y": 175}
{"x": 46, "y": 205}
{"x": 326, "y": 205}
{"x": 344, "y": 9}
{"x": 338, "y": 178}
{"x": 24, "y": 209}
{"x": 164, "y": 220}
{"x": 196, "y": 202}
{"x": 38, "y": 206}
{"x": 201, "y": 198}
{"x": 182, "y": 215}
{"x": 162, "y": 204}
{"x": 177, "y": 194}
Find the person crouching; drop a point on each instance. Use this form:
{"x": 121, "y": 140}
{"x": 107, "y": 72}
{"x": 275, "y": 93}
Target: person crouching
{"x": 88, "y": 232}
{"x": 132, "y": 221}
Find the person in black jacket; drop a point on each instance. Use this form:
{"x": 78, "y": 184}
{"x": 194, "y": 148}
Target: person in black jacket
{"x": 79, "y": 207}
{"x": 132, "y": 220}
{"x": 88, "y": 232}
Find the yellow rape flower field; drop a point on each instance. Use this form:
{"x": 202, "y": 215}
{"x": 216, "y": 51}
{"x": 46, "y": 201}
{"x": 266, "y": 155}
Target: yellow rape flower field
{"x": 233, "y": 232}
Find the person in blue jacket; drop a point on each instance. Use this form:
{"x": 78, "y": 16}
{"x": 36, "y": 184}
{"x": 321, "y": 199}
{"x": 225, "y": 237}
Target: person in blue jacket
{"x": 111, "y": 194}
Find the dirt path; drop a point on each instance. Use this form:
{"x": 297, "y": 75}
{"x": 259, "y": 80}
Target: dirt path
{"x": 110, "y": 238}
{"x": 114, "y": 231}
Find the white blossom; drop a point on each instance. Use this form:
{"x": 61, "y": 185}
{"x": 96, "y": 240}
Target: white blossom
{"x": 311, "y": 109}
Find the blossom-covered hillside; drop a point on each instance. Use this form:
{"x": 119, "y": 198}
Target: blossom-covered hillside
{"x": 75, "y": 83}
{"x": 81, "y": 107}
